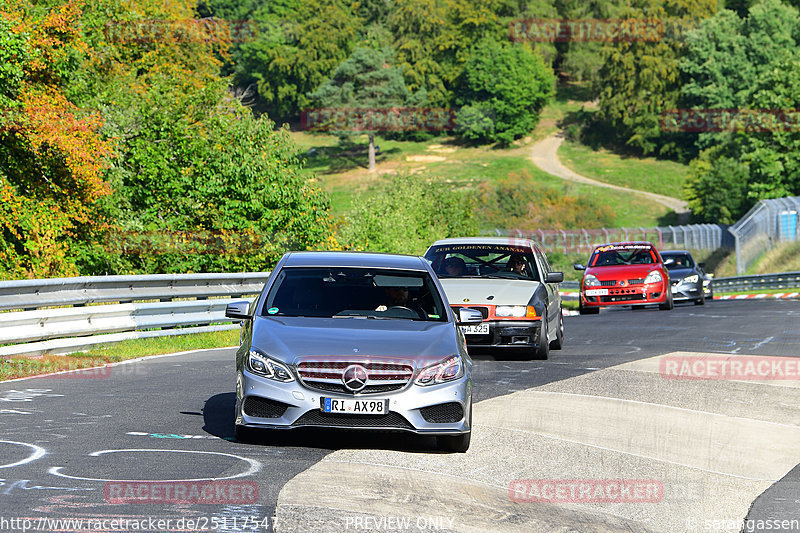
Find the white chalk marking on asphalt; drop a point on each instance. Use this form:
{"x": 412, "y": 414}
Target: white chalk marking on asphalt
{"x": 38, "y": 452}
{"x": 762, "y": 343}
{"x": 255, "y": 467}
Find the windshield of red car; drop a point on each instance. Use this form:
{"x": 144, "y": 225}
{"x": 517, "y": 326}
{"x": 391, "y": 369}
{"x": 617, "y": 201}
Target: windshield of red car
{"x": 623, "y": 255}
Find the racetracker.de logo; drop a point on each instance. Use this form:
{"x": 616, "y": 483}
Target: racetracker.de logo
{"x": 378, "y": 119}
{"x": 727, "y": 367}
{"x": 585, "y": 30}
{"x": 586, "y": 491}
{"x": 717, "y": 120}
{"x": 207, "y": 30}
{"x": 193, "y": 492}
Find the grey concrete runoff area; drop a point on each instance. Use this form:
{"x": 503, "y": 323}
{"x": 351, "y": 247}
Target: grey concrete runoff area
{"x": 646, "y": 421}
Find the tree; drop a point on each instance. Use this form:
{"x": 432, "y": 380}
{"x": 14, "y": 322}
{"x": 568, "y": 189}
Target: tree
{"x": 367, "y": 81}
{"x": 297, "y": 46}
{"x": 503, "y": 87}
{"x": 52, "y": 156}
{"x": 199, "y": 183}
{"x": 749, "y": 65}
{"x": 406, "y": 214}
{"x": 640, "y": 79}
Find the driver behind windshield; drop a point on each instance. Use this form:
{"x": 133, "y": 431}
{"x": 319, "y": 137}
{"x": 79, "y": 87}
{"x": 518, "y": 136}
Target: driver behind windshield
{"x": 398, "y": 297}
{"x": 516, "y": 264}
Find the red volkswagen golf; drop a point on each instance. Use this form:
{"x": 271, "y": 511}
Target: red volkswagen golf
{"x": 624, "y": 273}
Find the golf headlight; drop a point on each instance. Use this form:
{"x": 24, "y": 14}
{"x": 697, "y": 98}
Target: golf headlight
{"x": 511, "y": 310}
{"x": 691, "y": 279}
{"x": 653, "y": 277}
{"x": 447, "y": 370}
{"x": 590, "y": 281}
{"x": 262, "y": 365}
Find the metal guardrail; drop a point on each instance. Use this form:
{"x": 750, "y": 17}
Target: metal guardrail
{"x": 785, "y": 280}
{"x": 71, "y": 314}
{"x": 62, "y": 315}
{"x": 754, "y": 283}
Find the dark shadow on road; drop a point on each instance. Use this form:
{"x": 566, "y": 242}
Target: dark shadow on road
{"x": 218, "y": 415}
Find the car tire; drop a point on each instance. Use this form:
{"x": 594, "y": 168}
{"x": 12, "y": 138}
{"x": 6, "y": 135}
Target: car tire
{"x": 587, "y": 310}
{"x": 668, "y": 305}
{"x": 458, "y": 443}
{"x": 543, "y": 348}
{"x": 558, "y": 342}
{"x": 701, "y": 300}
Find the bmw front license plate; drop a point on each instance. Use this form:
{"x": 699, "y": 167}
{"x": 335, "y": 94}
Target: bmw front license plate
{"x": 476, "y": 329}
{"x": 351, "y": 407}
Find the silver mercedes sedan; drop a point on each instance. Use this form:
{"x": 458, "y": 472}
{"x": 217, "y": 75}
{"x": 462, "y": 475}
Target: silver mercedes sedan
{"x": 351, "y": 340}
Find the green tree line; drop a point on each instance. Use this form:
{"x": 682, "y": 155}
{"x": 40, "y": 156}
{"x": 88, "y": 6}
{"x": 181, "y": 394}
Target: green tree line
{"x": 150, "y": 136}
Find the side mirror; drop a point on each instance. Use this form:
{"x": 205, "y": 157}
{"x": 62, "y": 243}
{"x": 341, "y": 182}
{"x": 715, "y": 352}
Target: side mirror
{"x": 701, "y": 265}
{"x": 240, "y": 310}
{"x": 578, "y": 266}
{"x": 554, "y": 277}
{"x": 469, "y": 316}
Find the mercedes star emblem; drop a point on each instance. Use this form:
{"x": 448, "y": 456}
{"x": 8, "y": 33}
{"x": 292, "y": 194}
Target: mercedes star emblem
{"x": 355, "y": 377}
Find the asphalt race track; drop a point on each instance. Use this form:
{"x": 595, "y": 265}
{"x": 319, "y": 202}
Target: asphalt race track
{"x": 601, "y": 437}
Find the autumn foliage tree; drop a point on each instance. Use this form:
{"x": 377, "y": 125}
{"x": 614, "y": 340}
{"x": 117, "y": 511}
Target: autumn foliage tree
{"x": 52, "y": 157}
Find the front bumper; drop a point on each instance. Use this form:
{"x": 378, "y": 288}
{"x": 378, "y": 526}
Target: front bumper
{"x": 687, "y": 291}
{"x": 652, "y": 293}
{"x": 511, "y": 334}
{"x": 432, "y": 410}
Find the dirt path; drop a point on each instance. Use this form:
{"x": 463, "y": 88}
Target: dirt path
{"x": 544, "y": 155}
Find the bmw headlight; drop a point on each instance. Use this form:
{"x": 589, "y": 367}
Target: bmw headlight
{"x": 653, "y": 277}
{"x": 267, "y": 367}
{"x": 511, "y": 310}
{"x": 447, "y": 370}
{"x": 590, "y": 280}
{"x": 691, "y": 279}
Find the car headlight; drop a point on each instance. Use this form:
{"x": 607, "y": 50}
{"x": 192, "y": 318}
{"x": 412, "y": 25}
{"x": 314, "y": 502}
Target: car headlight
{"x": 691, "y": 279}
{"x": 511, "y": 310}
{"x": 447, "y": 370}
{"x": 262, "y": 365}
{"x": 653, "y": 277}
{"x": 590, "y": 280}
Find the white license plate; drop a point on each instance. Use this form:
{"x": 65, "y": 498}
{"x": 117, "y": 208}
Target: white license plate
{"x": 355, "y": 407}
{"x": 597, "y": 292}
{"x": 476, "y": 329}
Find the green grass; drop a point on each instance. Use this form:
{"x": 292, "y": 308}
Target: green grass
{"x": 21, "y": 366}
{"x": 467, "y": 166}
{"x": 342, "y": 167}
{"x": 640, "y": 173}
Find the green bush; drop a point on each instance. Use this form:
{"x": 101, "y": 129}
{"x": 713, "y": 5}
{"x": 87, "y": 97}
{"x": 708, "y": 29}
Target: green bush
{"x": 406, "y": 214}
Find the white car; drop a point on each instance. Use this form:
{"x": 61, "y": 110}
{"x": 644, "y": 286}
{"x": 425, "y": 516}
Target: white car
{"x": 511, "y": 283}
